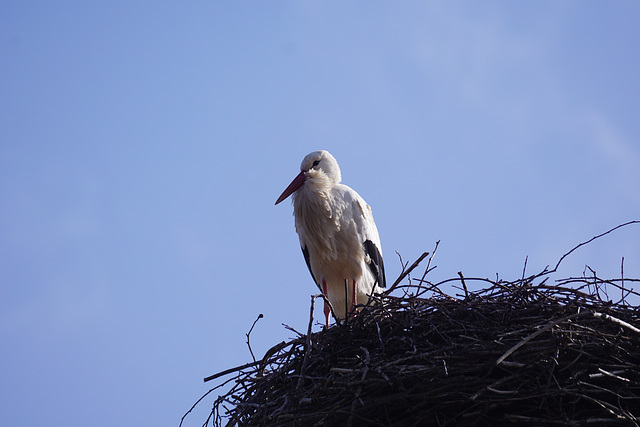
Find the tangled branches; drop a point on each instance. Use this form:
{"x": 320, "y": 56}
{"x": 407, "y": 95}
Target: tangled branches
{"x": 525, "y": 351}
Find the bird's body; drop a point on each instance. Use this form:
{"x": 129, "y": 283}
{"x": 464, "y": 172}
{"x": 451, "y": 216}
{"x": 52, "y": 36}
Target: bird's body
{"x": 338, "y": 236}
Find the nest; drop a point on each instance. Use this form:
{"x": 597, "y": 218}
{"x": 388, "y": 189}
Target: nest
{"x": 526, "y": 351}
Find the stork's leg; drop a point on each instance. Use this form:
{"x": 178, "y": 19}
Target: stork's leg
{"x": 327, "y": 308}
{"x": 354, "y": 298}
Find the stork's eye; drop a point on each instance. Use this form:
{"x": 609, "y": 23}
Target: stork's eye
{"x": 316, "y": 163}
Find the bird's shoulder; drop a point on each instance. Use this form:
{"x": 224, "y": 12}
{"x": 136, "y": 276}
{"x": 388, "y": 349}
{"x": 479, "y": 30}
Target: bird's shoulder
{"x": 351, "y": 199}
{"x": 358, "y": 211}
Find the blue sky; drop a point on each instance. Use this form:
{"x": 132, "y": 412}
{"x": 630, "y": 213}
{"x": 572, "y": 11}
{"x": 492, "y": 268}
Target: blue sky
{"x": 142, "y": 148}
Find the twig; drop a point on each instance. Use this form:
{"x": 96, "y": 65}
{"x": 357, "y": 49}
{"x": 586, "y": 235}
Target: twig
{"x": 276, "y": 348}
{"x": 538, "y": 332}
{"x": 402, "y": 263}
{"x": 622, "y": 278}
{"x": 464, "y": 285}
{"x": 427, "y": 270}
{"x": 289, "y": 328}
{"x": 404, "y": 274}
{"x": 589, "y": 241}
{"x": 260, "y": 316}
{"x": 618, "y": 321}
{"x": 373, "y": 317}
{"x": 612, "y": 375}
{"x": 307, "y": 344}
{"x": 201, "y": 398}
{"x": 230, "y": 370}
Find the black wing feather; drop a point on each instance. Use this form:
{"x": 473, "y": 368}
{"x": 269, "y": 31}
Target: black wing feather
{"x": 305, "y": 252}
{"x": 376, "y": 265}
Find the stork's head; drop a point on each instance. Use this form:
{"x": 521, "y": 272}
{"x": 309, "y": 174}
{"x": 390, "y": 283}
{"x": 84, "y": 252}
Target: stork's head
{"x": 320, "y": 168}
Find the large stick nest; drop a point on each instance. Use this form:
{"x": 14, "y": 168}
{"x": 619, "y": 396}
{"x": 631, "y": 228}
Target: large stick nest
{"x": 524, "y": 351}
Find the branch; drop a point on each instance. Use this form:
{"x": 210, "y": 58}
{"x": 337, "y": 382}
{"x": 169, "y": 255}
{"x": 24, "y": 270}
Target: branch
{"x": 230, "y": 370}
{"x": 618, "y": 321}
{"x": 307, "y": 344}
{"x": 538, "y": 332}
{"x": 262, "y": 362}
{"x": 589, "y": 241}
{"x": 405, "y": 273}
{"x": 464, "y": 285}
{"x": 260, "y": 316}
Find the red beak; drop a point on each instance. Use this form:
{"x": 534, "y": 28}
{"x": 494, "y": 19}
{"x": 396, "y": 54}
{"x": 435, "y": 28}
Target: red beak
{"x": 295, "y": 184}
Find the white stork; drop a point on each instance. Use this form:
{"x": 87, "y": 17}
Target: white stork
{"x": 339, "y": 239}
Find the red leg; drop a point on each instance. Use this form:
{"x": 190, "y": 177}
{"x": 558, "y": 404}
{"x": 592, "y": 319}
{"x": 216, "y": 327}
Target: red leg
{"x": 327, "y": 309}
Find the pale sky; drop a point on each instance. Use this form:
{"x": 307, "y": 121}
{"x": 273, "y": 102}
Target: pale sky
{"x": 143, "y": 145}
